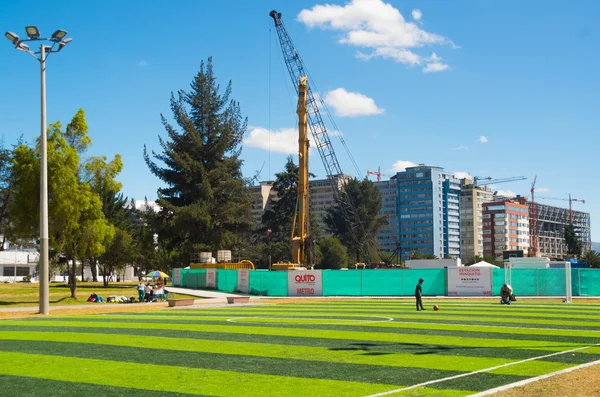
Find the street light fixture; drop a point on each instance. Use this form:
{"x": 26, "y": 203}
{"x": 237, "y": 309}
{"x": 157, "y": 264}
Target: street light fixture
{"x": 12, "y": 37}
{"x": 59, "y": 34}
{"x": 32, "y": 32}
{"x": 57, "y": 39}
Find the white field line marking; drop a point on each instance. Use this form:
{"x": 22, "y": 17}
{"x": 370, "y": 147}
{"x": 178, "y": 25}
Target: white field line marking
{"x": 340, "y": 321}
{"x": 479, "y": 371}
{"x": 531, "y": 380}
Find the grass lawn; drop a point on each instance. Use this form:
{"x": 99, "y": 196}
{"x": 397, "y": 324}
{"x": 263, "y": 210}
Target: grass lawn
{"x": 27, "y": 294}
{"x": 343, "y": 348}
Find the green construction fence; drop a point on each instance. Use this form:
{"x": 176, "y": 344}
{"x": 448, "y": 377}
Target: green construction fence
{"x": 402, "y": 282}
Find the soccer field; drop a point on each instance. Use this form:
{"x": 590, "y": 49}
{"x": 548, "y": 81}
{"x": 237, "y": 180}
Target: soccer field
{"x": 343, "y": 348}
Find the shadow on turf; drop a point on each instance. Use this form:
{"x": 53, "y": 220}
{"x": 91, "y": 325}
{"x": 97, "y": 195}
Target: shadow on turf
{"x": 369, "y": 348}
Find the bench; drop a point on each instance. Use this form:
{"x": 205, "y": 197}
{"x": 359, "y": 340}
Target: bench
{"x": 181, "y": 302}
{"x": 238, "y": 299}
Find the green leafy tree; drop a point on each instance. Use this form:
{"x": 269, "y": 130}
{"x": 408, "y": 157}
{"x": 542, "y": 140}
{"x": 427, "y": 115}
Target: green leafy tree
{"x": 591, "y": 258}
{"x": 205, "y": 203}
{"x": 119, "y": 253}
{"x": 572, "y": 240}
{"x": 145, "y": 236}
{"x": 333, "y": 254}
{"x": 474, "y": 259}
{"x": 6, "y": 190}
{"x": 280, "y": 217}
{"x": 77, "y": 225}
{"x": 367, "y": 200}
{"x": 492, "y": 260}
{"x": 101, "y": 176}
{"x": 415, "y": 255}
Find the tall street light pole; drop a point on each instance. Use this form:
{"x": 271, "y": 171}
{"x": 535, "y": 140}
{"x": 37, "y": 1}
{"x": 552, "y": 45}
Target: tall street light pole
{"x": 47, "y": 46}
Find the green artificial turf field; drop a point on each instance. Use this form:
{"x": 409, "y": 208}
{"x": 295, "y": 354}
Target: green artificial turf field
{"x": 347, "y": 348}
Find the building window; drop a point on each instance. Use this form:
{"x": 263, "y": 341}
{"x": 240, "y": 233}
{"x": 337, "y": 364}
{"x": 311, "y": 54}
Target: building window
{"x": 10, "y": 271}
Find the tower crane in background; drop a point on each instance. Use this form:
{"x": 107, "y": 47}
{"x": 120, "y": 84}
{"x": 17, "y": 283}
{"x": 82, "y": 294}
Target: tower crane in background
{"x": 488, "y": 180}
{"x": 570, "y": 200}
{"x": 296, "y": 69}
{"x": 534, "y": 246}
{"x": 377, "y": 173}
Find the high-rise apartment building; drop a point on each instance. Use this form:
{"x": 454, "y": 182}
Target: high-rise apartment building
{"x": 428, "y": 211}
{"x": 505, "y": 227}
{"x": 388, "y": 237}
{"x": 472, "y": 198}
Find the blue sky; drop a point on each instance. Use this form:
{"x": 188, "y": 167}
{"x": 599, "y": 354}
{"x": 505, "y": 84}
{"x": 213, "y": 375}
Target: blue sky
{"x": 490, "y": 88}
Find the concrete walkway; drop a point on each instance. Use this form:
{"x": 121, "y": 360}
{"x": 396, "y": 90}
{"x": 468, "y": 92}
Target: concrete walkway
{"x": 206, "y": 298}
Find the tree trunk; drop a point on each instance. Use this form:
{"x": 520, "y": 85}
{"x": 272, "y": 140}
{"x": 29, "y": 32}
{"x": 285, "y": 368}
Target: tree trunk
{"x": 73, "y": 278}
{"x": 94, "y": 269}
{"x": 82, "y": 269}
{"x": 104, "y": 276}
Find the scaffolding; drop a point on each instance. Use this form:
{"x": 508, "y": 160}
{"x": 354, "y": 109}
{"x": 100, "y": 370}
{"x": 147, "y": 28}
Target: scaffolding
{"x": 550, "y": 229}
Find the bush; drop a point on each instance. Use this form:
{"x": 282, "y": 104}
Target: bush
{"x": 27, "y": 278}
{"x": 333, "y": 254}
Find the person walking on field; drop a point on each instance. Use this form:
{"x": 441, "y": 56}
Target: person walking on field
{"x": 419, "y": 295}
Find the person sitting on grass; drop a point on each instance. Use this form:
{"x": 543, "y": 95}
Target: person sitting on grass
{"x": 505, "y": 294}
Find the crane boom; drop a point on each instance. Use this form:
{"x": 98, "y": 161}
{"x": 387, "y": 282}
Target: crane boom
{"x": 296, "y": 69}
{"x": 300, "y": 225}
{"x": 570, "y": 200}
{"x": 488, "y": 180}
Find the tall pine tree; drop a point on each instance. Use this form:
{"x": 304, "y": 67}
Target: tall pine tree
{"x": 205, "y": 205}
{"x": 367, "y": 199}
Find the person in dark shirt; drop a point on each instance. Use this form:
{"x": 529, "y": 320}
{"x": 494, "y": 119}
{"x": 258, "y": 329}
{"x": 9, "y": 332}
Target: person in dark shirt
{"x": 419, "y": 295}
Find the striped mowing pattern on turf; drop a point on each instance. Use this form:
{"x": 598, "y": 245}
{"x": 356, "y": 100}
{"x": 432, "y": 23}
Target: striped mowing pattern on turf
{"x": 349, "y": 348}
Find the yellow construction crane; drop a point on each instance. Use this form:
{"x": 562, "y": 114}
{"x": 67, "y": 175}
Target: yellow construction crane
{"x": 300, "y": 225}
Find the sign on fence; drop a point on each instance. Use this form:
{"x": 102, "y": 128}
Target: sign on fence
{"x": 469, "y": 281}
{"x": 243, "y": 280}
{"x": 305, "y": 283}
{"x": 176, "y": 277}
{"x": 211, "y": 278}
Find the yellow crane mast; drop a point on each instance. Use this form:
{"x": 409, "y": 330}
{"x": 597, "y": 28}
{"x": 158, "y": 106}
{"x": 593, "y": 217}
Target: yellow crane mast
{"x": 300, "y": 225}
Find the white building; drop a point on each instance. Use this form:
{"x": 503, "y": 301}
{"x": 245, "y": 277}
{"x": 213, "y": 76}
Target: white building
{"x": 14, "y": 265}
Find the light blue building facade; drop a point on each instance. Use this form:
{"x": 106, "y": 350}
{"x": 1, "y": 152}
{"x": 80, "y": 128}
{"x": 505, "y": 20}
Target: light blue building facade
{"x": 427, "y": 208}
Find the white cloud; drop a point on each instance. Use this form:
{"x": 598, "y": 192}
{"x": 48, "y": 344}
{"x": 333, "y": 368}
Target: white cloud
{"x": 506, "y": 193}
{"x": 463, "y": 175}
{"x": 351, "y": 104}
{"x": 542, "y": 190}
{"x": 142, "y": 63}
{"x": 435, "y": 67}
{"x": 461, "y": 147}
{"x": 482, "y": 139}
{"x": 402, "y": 165}
{"x": 417, "y": 14}
{"x": 283, "y": 141}
{"x": 434, "y": 64}
{"x": 380, "y": 28}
